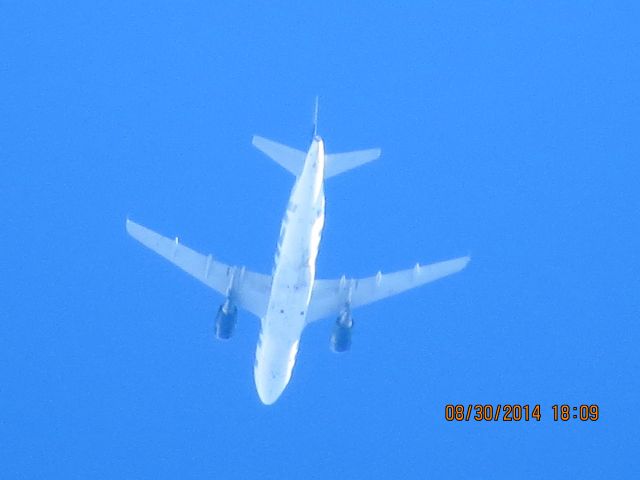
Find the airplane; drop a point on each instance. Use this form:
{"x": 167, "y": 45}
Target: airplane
{"x": 292, "y": 297}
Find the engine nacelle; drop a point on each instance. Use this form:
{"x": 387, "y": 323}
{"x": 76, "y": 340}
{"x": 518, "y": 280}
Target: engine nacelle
{"x": 341, "y": 336}
{"x": 226, "y": 320}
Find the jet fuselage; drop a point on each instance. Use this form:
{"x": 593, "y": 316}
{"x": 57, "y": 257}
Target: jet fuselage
{"x": 293, "y": 278}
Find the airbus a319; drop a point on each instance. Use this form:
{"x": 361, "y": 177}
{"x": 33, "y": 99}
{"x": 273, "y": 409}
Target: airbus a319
{"x": 292, "y": 297}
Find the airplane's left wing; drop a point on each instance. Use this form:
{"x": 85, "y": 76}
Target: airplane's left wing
{"x": 249, "y": 290}
{"x": 330, "y": 297}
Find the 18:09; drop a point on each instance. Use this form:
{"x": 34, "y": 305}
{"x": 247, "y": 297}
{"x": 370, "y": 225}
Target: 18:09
{"x": 581, "y": 412}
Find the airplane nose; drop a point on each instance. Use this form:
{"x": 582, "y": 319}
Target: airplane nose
{"x": 268, "y": 390}
{"x": 269, "y": 397}
{"x": 275, "y": 359}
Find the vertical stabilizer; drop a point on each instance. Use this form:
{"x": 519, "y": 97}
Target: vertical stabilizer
{"x": 315, "y": 119}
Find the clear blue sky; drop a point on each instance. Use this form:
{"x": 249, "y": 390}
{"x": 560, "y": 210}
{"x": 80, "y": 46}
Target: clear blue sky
{"x": 509, "y": 131}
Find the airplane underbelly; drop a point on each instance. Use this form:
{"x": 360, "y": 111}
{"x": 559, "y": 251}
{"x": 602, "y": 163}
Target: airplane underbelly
{"x": 280, "y": 334}
{"x": 275, "y": 358}
{"x": 293, "y": 280}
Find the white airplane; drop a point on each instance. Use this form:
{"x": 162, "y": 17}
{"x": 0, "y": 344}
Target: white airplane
{"x": 291, "y": 297}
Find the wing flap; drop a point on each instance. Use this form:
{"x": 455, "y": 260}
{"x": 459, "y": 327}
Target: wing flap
{"x": 250, "y": 290}
{"x": 330, "y": 297}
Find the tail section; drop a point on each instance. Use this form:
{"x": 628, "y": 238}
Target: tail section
{"x": 337, "y": 163}
{"x": 293, "y": 160}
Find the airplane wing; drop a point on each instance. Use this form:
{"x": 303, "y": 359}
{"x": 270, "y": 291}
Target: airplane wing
{"x": 330, "y": 297}
{"x": 249, "y": 290}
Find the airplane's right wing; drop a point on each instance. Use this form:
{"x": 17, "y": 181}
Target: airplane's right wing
{"x": 249, "y": 290}
{"x": 330, "y": 297}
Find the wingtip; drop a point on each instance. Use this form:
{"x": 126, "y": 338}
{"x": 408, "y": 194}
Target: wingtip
{"x": 129, "y": 224}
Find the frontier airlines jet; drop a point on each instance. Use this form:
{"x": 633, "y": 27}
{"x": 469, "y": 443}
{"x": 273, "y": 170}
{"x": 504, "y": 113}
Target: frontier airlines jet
{"x": 291, "y": 297}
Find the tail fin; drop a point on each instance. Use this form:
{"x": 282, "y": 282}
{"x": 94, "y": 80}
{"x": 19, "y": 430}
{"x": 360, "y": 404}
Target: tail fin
{"x": 315, "y": 119}
{"x": 336, "y": 163}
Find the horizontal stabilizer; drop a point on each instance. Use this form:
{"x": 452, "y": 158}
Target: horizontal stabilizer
{"x": 336, "y": 163}
{"x": 289, "y": 158}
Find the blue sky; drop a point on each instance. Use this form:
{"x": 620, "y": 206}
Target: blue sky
{"x": 508, "y": 131}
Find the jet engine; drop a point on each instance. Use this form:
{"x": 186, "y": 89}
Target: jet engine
{"x": 341, "y": 336}
{"x": 226, "y": 320}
